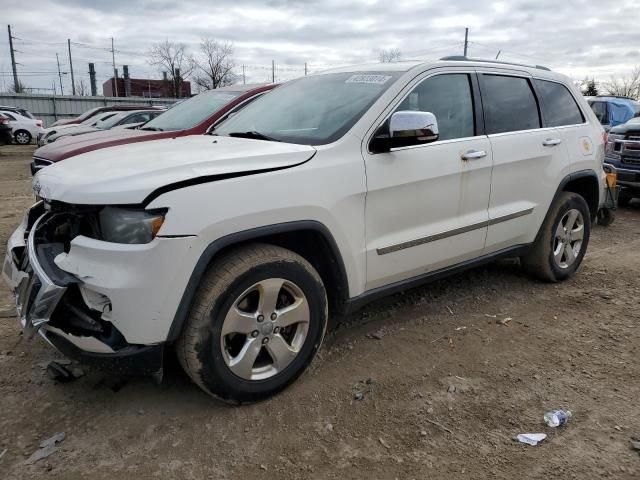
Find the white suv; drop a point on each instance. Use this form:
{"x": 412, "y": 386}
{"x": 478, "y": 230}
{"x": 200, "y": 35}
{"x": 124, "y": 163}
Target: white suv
{"x": 323, "y": 194}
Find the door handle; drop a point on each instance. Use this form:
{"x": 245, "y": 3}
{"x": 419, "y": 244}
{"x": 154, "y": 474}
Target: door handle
{"x": 473, "y": 155}
{"x": 551, "y": 142}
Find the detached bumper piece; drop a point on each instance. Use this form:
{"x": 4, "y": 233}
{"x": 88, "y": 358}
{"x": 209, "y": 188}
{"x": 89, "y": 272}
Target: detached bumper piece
{"x": 48, "y": 301}
{"x": 130, "y": 360}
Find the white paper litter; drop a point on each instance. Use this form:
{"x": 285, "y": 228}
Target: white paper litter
{"x": 531, "y": 438}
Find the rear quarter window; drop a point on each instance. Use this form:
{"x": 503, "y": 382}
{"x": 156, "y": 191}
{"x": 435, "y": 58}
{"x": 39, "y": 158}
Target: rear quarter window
{"x": 509, "y": 104}
{"x": 559, "y": 108}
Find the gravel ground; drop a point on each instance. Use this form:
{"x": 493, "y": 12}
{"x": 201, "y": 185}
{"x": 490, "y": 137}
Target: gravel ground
{"x": 444, "y": 381}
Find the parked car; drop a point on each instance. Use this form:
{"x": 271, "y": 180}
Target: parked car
{"x": 190, "y": 117}
{"x": 623, "y": 153}
{"x": 24, "y": 128}
{"x": 324, "y": 194}
{"x": 51, "y": 134}
{"x": 5, "y": 130}
{"x": 102, "y": 122}
{"x": 97, "y": 110}
{"x": 21, "y": 111}
{"x": 613, "y": 111}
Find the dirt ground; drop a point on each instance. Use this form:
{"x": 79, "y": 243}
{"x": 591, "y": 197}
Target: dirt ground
{"x": 446, "y": 385}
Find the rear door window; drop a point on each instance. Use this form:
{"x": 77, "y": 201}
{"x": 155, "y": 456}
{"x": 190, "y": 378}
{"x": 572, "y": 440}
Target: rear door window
{"x": 509, "y": 104}
{"x": 600, "y": 109}
{"x": 558, "y": 105}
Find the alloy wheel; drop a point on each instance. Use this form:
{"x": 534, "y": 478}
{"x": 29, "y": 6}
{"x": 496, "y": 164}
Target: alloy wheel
{"x": 265, "y": 329}
{"x": 568, "y": 238}
{"x": 22, "y": 138}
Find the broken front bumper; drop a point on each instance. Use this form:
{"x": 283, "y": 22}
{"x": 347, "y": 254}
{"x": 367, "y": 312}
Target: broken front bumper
{"x": 37, "y": 295}
{"x": 40, "y": 287}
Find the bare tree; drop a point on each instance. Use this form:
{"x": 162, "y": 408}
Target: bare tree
{"x": 625, "y": 86}
{"x": 390, "y": 55}
{"x": 82, "y": 88}
{"x": 21, "y": 87}
{"x": 172, "y": 58}
{"x": 214, "y": 65}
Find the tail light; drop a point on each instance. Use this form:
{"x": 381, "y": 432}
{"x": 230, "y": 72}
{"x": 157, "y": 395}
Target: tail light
{"x": 38, "y": 123}
{"x": 4, "y": 121}
{"x": 605, "y": 137}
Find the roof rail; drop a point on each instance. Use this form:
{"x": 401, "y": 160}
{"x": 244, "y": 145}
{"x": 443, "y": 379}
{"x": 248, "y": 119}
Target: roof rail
{"x": 462, "y": 58}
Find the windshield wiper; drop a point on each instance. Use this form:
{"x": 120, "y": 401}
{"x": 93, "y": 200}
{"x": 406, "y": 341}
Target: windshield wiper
{"x": 253, "y": 134}
{"x": 153, "y": 129}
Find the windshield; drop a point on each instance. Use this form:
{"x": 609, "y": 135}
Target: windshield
{"x": 97, "y": 118}
{"x": 107, "y": 123}
{"x": 191, "y": 112}
{"x": 313, "y": 110}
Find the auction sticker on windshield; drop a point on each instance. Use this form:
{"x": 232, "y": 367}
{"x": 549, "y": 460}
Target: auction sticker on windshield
{"x": 377, "y": 79}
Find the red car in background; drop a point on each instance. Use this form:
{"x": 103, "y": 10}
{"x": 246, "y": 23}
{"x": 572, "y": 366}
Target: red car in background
{"x": 191, "y": 117}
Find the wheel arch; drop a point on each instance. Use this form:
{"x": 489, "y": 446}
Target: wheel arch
{"x": 308, "y": 238}
{"x": 585, "y": 183}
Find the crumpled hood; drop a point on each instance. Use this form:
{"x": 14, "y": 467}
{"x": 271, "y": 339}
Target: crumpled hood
{"x": 128, "y": 174}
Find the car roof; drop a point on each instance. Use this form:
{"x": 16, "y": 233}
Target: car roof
{"x": 239, "y": 88}
{"x": 452, "y": 61}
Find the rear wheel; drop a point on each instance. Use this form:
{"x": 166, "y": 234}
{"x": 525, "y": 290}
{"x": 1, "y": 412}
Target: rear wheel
{"x": 22, "y": 137}
{"x": 562, "y": 242}
{"x": 256, "y": 323}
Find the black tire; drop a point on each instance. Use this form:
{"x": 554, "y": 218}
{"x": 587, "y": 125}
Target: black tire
{"x": 540, "y": 260}
{"x": 200, "y": 347}
{"x": 624, "y": 198}
{"x": 22, "y": 137}
{"x": 606, "y": 217}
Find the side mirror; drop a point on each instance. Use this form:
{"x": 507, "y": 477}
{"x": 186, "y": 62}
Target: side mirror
{"x": 406, "y": 128}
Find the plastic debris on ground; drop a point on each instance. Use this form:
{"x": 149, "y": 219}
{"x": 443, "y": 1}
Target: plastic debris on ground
{"x": 47, "y": 447}
{"x": 531, "y": 438}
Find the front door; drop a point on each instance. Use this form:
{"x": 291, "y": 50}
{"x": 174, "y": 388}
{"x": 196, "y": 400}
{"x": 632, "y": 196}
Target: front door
{"x": 426, "y": 205}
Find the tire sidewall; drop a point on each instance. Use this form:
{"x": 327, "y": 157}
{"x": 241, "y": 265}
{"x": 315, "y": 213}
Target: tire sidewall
{"x": 216, "y": 375}
{"x": 578, "y": 203}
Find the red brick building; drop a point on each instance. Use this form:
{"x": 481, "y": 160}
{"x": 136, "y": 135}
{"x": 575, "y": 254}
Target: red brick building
{"x": 142, "y": 87}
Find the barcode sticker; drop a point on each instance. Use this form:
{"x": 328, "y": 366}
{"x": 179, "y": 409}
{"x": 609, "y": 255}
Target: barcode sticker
{"x": 376, "y": 79}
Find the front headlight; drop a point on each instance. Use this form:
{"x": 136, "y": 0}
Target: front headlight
{"x": 123, "y": 225}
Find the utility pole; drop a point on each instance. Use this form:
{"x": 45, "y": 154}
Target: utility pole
{"x": 92, "y": 79}
{"x": 273, "y": 71}
{"x": 305, "y": 69}
{"x": 115, "y": 72}
{"x": 16, "y": 84}
{"x": 466, "y": 41}
{"x": 244, "y": 78}
{"x": 73, "y": 82}
{"x": 59, "y": 75}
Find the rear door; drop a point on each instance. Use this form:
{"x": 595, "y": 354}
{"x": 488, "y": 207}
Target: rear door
{"x": 560, "y": 110}
{"x": 528, "y": 159}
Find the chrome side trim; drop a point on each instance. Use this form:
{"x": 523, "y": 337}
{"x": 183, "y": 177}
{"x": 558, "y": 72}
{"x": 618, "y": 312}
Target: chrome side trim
{"x": 451, "y": 233}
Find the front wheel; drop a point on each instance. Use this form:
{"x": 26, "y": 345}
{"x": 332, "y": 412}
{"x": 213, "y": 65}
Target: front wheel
{"x": 562, "y": 241}
{"x": 256, "y": 323}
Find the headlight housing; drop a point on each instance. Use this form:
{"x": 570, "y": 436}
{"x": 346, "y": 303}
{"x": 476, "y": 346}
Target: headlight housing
{"x": 124, "y": 225}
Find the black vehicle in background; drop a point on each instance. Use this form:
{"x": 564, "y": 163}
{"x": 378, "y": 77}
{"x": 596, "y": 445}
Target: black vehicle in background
{"x": 5, "y": 130}
{"x": 623, "y": 153}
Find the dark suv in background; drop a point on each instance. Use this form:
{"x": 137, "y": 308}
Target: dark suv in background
{"x": 623, "y": 153}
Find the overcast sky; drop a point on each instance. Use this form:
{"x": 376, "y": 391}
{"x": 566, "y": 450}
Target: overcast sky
{"x": 576, "y": 37}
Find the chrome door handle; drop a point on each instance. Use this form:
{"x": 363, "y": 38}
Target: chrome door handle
{"x": 551, "y": 142}
{"x": 474, "y": 155}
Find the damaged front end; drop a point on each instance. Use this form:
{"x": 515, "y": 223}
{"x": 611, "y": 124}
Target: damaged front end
{"x": 56, "y": 304}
